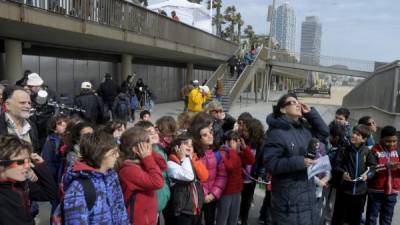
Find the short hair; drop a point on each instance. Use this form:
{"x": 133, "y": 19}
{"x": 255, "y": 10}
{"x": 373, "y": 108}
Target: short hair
{"x": 130, "y": 138}
{"x": 9, "y": 91}
{"x": 143, "y": 113}
{"x": 388, "y": 131}
{"x": 362, "y": 130}
{"x": 166, "y": 125}
{"x": 276, "y": 110}
{"x": 111, "y": 126}
{"x": 180, "y": 139}
{"x": 231, "y": 135}
{"x": 183, "y": 120}
{"x": 364, "y": 120}
{"x": 344, "y": 112}
{"x": 51, "y": 127}
{"x": 144, "y": 124}
{"x": 94, "y": 147}
{"x": 12, "y": 145}
{"x": 337, "y": 130}
{"x": 76, "y": 131}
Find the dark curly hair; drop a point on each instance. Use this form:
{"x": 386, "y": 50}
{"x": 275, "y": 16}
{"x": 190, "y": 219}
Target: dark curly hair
{"x": 256, "y": 132}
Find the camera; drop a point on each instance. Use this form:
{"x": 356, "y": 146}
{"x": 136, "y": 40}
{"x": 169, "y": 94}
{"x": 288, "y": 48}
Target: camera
{"x": 313, "y": 146}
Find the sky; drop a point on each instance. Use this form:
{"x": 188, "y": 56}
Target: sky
{"x": 359, "y": 29}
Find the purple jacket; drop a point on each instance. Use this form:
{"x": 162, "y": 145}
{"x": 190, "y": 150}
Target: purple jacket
{"x": 217, "y": 174}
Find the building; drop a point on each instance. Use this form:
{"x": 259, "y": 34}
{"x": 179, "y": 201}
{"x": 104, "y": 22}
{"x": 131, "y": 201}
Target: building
{"x": 284, "y": 27}
{"x": 311, "y": 31}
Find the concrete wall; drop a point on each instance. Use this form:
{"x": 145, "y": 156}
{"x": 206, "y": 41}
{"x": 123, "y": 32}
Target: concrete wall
{"x": 65, "y": 75}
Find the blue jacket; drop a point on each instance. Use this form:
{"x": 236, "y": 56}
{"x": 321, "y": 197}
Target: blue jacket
{"x": 286, "y": 144}
{"x": 109, "y": 207}
{"x": 51, "y": 155}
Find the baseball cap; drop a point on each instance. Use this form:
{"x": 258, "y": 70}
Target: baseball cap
{"x": 34, "y": 80}
{"x": 86, "y": 85}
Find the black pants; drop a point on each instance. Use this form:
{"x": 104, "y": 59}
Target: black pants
{"x": 185, "y": 219}
{"x": 209, "y": 210}
{"x": 247, "y": 199}
{"x": 348, "y": 208}
{"x": 265, "y": 211}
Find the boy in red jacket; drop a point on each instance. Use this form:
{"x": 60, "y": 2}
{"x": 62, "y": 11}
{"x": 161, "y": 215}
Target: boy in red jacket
{"x": 385, "y": 185}
{"x": 233, "y": 153}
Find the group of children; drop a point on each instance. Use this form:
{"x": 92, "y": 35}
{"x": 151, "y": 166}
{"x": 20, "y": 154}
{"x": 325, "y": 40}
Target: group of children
{"x": 362, "y": 170}
{"x": 113, "y": 175}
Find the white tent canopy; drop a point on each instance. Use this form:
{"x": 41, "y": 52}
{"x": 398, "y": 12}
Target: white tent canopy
{"x": 190, "y": 13}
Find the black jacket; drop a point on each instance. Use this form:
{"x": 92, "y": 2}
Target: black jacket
{"x": 286, "y": 143}
{"x": 355, "y": 162}
{"x": 108, "y": 90}
{"x": 33, "y": 133}
{"x": 15, "y": 197}
{"x": 92, "y": 105}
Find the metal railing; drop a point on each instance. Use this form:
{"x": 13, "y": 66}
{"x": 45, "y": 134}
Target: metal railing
{"x": 135, "y": 18}
{"x": 324, "y": 61}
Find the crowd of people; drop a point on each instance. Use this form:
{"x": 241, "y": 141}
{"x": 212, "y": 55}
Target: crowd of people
{"x": 199, "y": 168}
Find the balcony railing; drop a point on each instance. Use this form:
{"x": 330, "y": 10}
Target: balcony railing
{"x": 134, "y": 18}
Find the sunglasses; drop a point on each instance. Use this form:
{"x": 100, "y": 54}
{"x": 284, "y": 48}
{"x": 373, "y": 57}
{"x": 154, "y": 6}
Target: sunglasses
{"x": 290, "y": 103}
{"x": 15, "y": 163}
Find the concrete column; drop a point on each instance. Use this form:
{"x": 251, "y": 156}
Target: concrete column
{"x": 189, "y": 73}
{"x": 13, "y": 62}
{"x": 126, "y": 66}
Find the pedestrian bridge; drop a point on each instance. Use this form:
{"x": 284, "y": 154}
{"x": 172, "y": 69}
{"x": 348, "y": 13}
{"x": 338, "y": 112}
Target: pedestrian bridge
{"x": 110, "y": 26}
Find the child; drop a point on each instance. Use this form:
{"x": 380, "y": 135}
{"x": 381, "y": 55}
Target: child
{"x": 372, "y": 127}
{"x": 355, "y": 165}
{"x": 99, "y": 152}
{"x": 140, "y": 176}
{"x": 73, "y": 150}
{"x": 54, "y": 147}
{"x": 21, "y": 182}
{"x": 385, "y": 185}
{"x": 215, "y": 185}
{"x": 116, "y": 128}
{"x": 342, "y": 118}
{"x": 234, "y": 153}
{"x": 145, "y": 115}
{"x": 185, "y": 171}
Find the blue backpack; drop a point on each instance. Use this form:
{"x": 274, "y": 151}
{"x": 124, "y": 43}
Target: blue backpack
{"x": 122, "y": 108}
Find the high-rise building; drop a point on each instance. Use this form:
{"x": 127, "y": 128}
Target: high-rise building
{"x": 311, "y": 31}
{"x": 284, "y": 27}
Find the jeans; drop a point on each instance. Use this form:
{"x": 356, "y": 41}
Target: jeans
{"x": 381, "y": 205}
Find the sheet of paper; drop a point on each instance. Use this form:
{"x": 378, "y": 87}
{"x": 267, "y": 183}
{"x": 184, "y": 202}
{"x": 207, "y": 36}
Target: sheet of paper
{"x": 323, "y": 165}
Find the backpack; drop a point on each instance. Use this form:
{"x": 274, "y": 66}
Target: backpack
{"x": 131, "y": 203}
{"x": 122, "y": 107}
{"x": 57, "y": 217}
{"x": 218, "y": 156}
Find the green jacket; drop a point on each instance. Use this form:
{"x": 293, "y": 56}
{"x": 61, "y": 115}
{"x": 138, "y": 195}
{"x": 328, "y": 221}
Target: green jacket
{"x": 164, "y": 193}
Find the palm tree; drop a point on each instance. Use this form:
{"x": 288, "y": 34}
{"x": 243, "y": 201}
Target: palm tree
{"x": 231, "y": 16}
{"x": 250, "y": 34}
{"x": 218, "y": 19}
{"x": 240, "y": 23}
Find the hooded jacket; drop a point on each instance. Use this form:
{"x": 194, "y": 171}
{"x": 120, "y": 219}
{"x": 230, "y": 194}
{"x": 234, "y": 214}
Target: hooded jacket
{"x": 142, "y": 178}
{"x": 385, "y": 180}
{"x": 286, "y": 143}
{"x": 15, "y": 197}
{"x": 92, "y": 105}
{"x": 108, "y": 208}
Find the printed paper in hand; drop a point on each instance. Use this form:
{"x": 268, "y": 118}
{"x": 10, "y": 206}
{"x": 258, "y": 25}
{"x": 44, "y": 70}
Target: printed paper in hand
{"x": 323, "y": 165}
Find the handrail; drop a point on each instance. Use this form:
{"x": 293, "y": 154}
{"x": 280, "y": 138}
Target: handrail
{"x": 246, "y": 76}
{"x": 130, "y": 17}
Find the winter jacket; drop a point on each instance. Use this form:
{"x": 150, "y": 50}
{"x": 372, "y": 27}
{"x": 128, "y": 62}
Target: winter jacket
{"x": 233, "y": 162}
{"x": 108, "y": 208}
{"x": 196, "y": 100}
{"x": 219, "y": 88}
{"x": 354, "y": 161}
{"x": 217, "y": 177}
{"x": 385, "y": 180}
{"x": 52, "y": 155}
{"x": 293, "y": 200}
{"x": 92, "y": 105}
{"x": 142, "y": 178}
{"x": 187, "y": 192}
{"x": 163, "y": 194}
{"x": 15, "y": 197}
{"x": 108, "y": 90}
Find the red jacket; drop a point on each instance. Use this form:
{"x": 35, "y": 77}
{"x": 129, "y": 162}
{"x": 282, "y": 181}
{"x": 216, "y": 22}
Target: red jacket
{"x": 233, "y": 165}
{"x": 385, "y": 181}
{"x": 143, "y": 179}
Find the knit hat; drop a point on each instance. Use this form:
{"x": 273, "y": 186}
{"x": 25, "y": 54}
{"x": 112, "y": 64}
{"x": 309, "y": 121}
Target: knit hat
{"x": 34, "y": 80}
{"x": 86, "y": 85}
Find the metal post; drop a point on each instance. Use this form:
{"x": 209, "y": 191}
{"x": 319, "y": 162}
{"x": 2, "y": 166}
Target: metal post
{"x": 267, "y": 86}
{"x": 395, "y": 89}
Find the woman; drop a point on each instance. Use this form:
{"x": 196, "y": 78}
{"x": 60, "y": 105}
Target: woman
{"x": 291, "y": 127}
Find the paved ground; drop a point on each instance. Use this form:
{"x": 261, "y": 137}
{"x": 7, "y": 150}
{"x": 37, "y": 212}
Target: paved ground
{"x": 259, "y": 111}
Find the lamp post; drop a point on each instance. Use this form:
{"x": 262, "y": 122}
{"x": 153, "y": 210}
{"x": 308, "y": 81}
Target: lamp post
{"x": 268, "y": 68}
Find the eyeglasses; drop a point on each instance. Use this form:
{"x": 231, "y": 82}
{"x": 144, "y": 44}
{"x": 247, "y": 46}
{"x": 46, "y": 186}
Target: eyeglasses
{"x": 290, "y": 103}
{"x": 15, "y": 163}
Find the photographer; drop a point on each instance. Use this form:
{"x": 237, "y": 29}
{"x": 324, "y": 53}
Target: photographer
{"x": 291, "y": 127}
{"x": 23, "y": 178}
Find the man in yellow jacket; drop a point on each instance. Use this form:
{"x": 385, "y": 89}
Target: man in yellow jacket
{"x": 197, "y": 97}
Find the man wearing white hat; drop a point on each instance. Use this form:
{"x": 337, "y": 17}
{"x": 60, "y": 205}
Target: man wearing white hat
{"x": 91, "y": 103}
{"x": 197, "y": 97}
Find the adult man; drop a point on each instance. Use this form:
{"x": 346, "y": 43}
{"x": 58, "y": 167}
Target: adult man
{"x": 108, "y": 90}
{"x": 89, "y": 102}
{"x": 222, "y": 121}
{"x": 15, "y": 119}
{"x": 197, "y": 97}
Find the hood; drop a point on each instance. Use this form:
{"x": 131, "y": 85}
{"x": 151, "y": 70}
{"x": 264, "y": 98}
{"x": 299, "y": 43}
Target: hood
{"x": 282, "y": 122}
{"x": 79, "y": 169}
